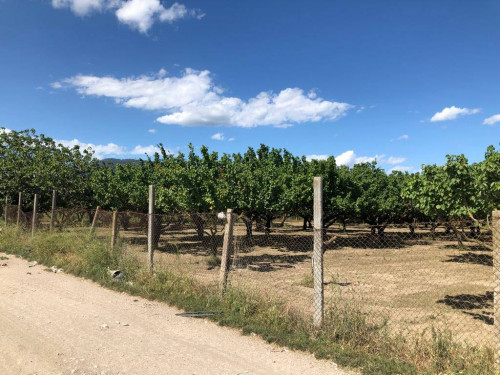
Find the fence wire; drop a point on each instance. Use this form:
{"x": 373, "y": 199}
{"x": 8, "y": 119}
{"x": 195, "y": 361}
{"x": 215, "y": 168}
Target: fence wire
{"x": 414, "y": 278}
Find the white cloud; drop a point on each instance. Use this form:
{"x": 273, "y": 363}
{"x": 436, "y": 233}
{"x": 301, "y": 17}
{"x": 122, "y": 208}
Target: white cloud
{"x": 218, "y": 136}
{"x": 193, "y": 99}
{"x": 101, "y": 151}
{"x": 316, "y": 157}
{"x": 401, "y": 168}
{"x": 230, "y": 139}
{"x": 403, "y": 137}
{"x": 141, "y": 150}
{"x": 451, "y": 113}
{"x": 394, "y": 160}
{"x": 137, "y": 14}
{"x": 81, "y": 7}
{"x": 152, "y": 131}
{"x": 492, "y": 120}
{"x": 350, "y": 158}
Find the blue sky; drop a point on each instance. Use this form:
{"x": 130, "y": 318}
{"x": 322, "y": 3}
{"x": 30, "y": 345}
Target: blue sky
{"x": 404, "y": 81}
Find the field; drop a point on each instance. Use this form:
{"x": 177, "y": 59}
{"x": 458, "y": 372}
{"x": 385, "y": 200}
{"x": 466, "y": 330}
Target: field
{"x": 411, "y": 282}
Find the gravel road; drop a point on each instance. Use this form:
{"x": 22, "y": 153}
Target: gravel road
{"x": 53, "y": 323}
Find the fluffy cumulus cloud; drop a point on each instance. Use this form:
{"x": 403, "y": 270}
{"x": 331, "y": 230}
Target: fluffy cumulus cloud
{"x": 218, "y": 136}
{"x": 316, "y": 157}
{"x": 138, "y": 14}
{"x": 192, "y": 99}
{"x": 110, "y": 149}
{"x": 492, "y": 120}
{"x": 451, "y": 113}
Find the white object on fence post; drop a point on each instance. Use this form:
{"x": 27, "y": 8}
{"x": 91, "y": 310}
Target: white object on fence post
{"x": 227, "y": 249}
{"x": 35, "y": 212}
{"x": 114, "y": 229}
{"x": 52, "y": 211}
{"x": 19, "y": 203}
{"x": 94, "y": 220}
{"x": 496, "y": 291}
{"x": 317, "y": 257}
{"x": 151, "y": 232}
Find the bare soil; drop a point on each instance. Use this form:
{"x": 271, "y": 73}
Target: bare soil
{"x": 415, "y": 282}
{"x": 53, "y": 323}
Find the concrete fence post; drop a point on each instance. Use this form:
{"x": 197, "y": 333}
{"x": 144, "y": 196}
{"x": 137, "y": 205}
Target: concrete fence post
{"x": 317, "y": 257}
{"x": 151, "y": 231}
{"x": 19, "y": 208}
{"x": 53, "y": 210}
{"x": 227, "y": 249}
{"x": 496, "y": 286}
{"x": 114, "y": 229}
{"x": 94, "y": 220}
{"x": 35, "y": 213}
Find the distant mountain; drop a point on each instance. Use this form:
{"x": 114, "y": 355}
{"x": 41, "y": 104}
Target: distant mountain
{"x": 115, "y": 161}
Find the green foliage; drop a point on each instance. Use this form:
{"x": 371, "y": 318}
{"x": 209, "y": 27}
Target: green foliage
{"x": 260, "y": 185}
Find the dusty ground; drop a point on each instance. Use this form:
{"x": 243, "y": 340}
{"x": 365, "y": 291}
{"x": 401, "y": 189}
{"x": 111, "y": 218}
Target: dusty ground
{"x": 416, "y": 282}
{"x": 59, "y": 324}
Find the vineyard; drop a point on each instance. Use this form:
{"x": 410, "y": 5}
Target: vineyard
{"x": 408, "y": 258}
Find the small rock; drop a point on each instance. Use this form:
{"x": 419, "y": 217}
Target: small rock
{"x": 253, "y": 334}
{"x": 104, "y": 326}
{"x": 53, "y": 269}
{"x": 28, "y": 273}
{"x": 117, "y": 322}
{"x": 4, "y": 264}
{"x": 33, "y": 264}
{"x": 125, "y": 324}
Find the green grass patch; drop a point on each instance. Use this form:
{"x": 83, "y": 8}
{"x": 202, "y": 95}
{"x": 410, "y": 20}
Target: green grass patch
{"x": 348, "y": 337}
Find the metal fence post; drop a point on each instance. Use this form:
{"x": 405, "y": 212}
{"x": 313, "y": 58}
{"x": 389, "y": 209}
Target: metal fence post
{"x": 19, "y": 207}
{"x": 496, "y": 291}
{"x": 52, "y": 211}
{"x": 151, "y": 231}
{"x": 227, "y": 248}
{"x": 35, "y": 212}
{"x": 114, "y": 229}
{"x": 317, "y": 257}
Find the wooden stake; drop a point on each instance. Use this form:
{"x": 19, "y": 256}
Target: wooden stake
{"x": 496, "y": 287}
{"x": 317, "y": 257}
{"x": 6, "y": 209}
{"x": 53, "y": 210}
{"x": 94, "y": 220}
{"x": 114, "y": 229}
{"x": 19, "y": 208}
{"x": 227, "y": 249}
{"x": 151, "y": 231}
{"x": 35, "y": 212}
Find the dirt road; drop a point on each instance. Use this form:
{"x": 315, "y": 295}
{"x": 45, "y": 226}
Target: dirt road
{"x": 59, "y": 324}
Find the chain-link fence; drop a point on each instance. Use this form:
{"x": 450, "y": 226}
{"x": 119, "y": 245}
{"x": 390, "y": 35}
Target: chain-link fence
{"x": 414, "y": 279}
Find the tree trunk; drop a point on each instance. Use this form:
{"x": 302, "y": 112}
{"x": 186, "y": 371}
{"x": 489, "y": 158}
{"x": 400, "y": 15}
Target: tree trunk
{"x": 412, "y": 229}
{"x": 198, "y": 222}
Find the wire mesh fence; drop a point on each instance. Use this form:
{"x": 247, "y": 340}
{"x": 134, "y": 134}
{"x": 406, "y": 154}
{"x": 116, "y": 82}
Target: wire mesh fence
{"x": 412, "y": 278}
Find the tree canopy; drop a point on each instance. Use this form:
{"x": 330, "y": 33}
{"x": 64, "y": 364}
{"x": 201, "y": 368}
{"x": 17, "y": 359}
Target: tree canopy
{"x": 259, "y": 184}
